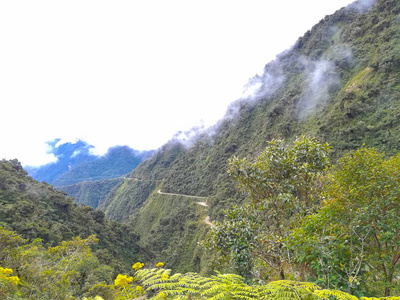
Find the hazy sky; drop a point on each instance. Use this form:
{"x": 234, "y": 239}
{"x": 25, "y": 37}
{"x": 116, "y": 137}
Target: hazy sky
{"x": 133, "y": 72}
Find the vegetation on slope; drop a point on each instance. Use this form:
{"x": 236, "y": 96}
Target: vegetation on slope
{"x": 37, "y": 210}
{"x": 305, "y": 221}
{"x": 340, "y": 82}
{"x": 180, "y": 218}
{"x": 118, "y": 162}
{"x": 336, "y": 227}
{"x": 339, "y": 228}
{"x": 125, "y": 199}
{"x": 91, "y": 193}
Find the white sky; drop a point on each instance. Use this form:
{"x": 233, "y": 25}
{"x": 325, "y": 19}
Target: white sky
{"x": 133, "y": 72}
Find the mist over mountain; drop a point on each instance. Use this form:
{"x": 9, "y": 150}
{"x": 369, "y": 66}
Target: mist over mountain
{"x": 339, "y": 82}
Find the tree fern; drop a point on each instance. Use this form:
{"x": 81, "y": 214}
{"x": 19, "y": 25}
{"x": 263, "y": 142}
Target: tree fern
{"x": 159, "y": 285}
{"x": 382, "y": 298}
{"x": 334, "y": 294}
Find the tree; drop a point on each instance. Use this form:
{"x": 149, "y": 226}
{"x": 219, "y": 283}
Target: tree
{"x": 283, "y": 185}
{"x": 65, "y": 271}
{"x": 356, "y": 232}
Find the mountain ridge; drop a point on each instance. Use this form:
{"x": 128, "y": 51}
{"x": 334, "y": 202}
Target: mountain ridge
{"x": 339, "y": 82}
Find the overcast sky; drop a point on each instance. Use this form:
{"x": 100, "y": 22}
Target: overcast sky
{"x": 133, "y": 72}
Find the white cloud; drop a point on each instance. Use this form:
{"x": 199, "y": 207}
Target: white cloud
{"x": 133, "y": 72}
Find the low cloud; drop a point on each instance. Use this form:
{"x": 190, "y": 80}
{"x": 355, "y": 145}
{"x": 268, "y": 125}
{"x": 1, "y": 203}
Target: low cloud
{"x": 258, "y": 87}
{"x": 361, "y": 6}
{"x": 189, "y": 137}
{"x": 322, "y": 80}
{"x": 342, "y": 56}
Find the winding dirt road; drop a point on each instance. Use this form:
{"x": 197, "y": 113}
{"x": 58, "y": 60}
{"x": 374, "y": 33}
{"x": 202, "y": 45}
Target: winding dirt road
{"x": 207, "y": 219}
{"x": 183, "y": 195}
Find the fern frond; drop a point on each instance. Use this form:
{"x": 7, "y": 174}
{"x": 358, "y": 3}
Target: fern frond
{"x": 339, "y": 295}
{"x": 381, "y": 298}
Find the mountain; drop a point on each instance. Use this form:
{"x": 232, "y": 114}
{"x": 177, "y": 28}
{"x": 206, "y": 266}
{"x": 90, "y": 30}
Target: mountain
{"x": 67, "y": 155}
{"x": 339, "y": 82}
{"x": 118, "y": 161}
{"x": 86, "y": 177}
{"x": 75, "y": 163}
{"x": 90, "y": 182}
{"x": 37, "y": 210}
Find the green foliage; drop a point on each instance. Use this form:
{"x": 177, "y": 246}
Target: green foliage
{"x": 65, "y": 271}
{"x": 91, "y": 193}
{"x": 281, "y": 170}
{"x": 158, "y": 283}
{"x": 346, "y": 243}
{"x": 37, "y": 210}
{"x": 283, "y": 185}
{"x": 354, "y": 238}
{"x": 127, "y": 197}
{"x": 360, "y": 106}
{"x": 348, "y": 63}
{"x": 169, "y": 227}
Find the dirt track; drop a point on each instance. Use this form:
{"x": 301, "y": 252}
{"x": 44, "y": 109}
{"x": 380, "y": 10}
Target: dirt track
{"x": 207, "y": 219}
{"x": 183, "y": 195}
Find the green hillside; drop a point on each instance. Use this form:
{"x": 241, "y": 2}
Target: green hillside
{"x": 126, "y": 198}
{"x": 91, "y": 193}
{"x": 37, "y": 210}
{"x": 340, "y": 82}
{"x": 296, "y": 191}
{"x": 90, "y": 182}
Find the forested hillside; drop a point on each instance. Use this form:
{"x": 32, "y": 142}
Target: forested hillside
{"x": 37, "y": 210}
{"x": 339, "y": 82}
{"x": 91, "y": 193}
{"x": 296, "y": 191}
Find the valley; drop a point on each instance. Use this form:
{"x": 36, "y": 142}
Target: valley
{"x": 294, "y": 194}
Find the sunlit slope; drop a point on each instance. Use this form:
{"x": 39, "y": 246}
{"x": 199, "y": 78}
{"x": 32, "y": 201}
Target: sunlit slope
{"x": 340, "y": 82}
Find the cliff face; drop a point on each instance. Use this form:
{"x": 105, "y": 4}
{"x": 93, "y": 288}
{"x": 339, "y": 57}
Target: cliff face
{"x": 339, "y": 82}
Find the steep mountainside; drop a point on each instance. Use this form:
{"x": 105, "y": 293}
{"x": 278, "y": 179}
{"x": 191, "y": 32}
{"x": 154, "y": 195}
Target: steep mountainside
{"x": 37, "y": 210}
{"x": 339, "y": 82}
{"x": 127, "y": 197}
{"x": 91, "y": 193}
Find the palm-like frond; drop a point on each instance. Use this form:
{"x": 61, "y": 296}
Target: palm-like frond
{"x": 231, "y": 286}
